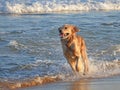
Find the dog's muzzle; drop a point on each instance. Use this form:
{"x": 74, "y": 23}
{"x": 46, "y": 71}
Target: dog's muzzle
{"x": 63, "y": 36}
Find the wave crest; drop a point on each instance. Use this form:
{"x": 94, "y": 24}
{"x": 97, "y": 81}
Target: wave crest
{"x": 54, "y": 6}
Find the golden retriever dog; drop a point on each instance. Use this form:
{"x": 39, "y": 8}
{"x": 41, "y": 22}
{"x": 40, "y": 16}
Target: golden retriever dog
{"x": 74, "y": 48}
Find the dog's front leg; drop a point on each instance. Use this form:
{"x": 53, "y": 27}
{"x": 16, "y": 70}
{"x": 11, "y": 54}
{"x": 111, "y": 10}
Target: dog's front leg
{"x": 79, "y": 65}
{"x": 73, "y": 65}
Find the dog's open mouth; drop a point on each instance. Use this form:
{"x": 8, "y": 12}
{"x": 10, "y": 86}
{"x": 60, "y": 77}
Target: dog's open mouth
{"x": 63, "y": 35}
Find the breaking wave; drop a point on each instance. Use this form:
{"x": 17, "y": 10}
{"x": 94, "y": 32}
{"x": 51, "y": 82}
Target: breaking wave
{"x": 48, "y": 6}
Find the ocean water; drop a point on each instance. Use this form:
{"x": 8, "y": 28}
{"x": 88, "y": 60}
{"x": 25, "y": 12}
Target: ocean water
{"x": 30, "y": 44}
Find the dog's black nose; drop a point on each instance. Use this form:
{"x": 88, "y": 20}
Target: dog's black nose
{"x": 60, "y": 31}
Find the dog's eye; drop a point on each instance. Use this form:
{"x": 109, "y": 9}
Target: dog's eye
{"x": 65, "y": 27}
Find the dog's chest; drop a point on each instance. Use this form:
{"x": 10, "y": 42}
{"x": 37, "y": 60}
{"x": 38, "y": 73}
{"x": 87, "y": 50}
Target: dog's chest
{"x": 68, "y": 51}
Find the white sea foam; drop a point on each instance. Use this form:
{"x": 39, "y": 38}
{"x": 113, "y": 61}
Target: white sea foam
{"x": 101, "y": 68}
{"x": 13, "y": 43}
{"x": 58, "y": 6}
{"x": 16, "y": 45}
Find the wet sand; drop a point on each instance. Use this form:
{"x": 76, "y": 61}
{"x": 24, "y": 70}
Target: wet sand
{"x": 82, "y": 84}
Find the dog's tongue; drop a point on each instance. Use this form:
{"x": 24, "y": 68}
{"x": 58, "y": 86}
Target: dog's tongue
{"x": 61, "y": 35}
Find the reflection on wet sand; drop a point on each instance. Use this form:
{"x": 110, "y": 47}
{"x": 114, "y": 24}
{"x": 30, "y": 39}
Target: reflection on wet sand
{"x": 82, "y": 84}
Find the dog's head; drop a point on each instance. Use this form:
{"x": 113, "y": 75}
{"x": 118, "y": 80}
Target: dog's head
{"x": 67, "y": 31}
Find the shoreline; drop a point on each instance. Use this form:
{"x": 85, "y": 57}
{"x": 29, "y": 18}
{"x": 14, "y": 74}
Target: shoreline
{"x": 53, "y": 83}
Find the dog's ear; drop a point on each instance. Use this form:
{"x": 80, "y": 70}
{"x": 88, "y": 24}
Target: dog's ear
{"x": 75, "y": 29}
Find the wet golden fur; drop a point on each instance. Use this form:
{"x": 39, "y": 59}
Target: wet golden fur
{"x": 74, "y": 48}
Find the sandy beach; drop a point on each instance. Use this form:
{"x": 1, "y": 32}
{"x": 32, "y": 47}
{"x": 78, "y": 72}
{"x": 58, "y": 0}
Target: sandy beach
{"x": 83, "y": 84}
